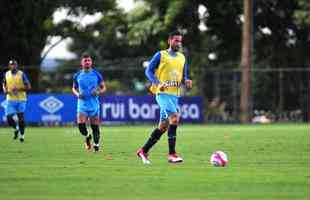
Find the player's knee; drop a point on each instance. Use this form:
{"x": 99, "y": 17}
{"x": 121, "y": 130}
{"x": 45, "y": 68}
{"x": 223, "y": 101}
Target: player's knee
{"x": 163, "y": 126}
{"x": 9, "y": 118}
{"x": 21, "y": 119}
{"x": 174, "y": 119}
{"x": 81, "y": 118}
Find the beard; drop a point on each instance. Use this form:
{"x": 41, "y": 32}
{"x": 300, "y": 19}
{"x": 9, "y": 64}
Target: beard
{"x": 14, "y": 70}
{"x": 86, "y": 67}
{"x": 176, "y": 48}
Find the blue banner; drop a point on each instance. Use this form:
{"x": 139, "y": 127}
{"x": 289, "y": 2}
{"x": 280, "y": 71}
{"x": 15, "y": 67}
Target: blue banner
{"x": 61, "y": 109}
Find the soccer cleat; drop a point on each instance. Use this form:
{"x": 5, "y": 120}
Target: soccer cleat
{"x": 15, "y": 135}
{"x": 87, "y": 143}
{"x": 144, "y": 157}
{"x": 96, "y": 148}
{"x": 174, "y": 158}
{"x": 21, "y": 140}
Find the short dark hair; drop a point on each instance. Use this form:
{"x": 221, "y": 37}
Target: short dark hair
{"x": 85, "y": 55}
{"x": 173, "y": 33}
{"x": 12, "y": 62}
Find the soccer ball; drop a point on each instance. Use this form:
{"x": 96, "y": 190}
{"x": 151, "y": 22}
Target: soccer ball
{"x": 219, "y": 159}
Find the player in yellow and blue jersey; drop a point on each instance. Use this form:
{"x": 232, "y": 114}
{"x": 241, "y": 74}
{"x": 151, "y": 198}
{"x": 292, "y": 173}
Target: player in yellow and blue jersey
{"x": 88, "y": 84}
{"x": 167, "y": 71}
{"x": 15, "y": 85}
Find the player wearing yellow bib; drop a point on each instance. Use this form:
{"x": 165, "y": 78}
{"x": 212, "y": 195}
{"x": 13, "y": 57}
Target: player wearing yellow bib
{"x": 15, "y": 85}
{"x": 167, "y": 71}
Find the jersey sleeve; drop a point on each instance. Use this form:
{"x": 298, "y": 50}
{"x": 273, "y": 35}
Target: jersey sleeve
{"x": 75, "y": 82}
{"x": 150, "y": 70}
{"x": 4, "y": 79}
{"x": 99, "y": 76}
{"x": 26, "y": 79}
{"x": 186, "y": 72}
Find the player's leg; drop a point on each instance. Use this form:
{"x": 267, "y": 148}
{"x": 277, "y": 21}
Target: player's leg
{"x": 12, "y": 123}
{"x": 172, "y": 130}
{"x": 21, "y": 107}
{"x": 156, "y": 133}
{"x": 152, "y": 140}
{"x": 81, "y": 120}
{"x": 172, "y": 137}
{"x": 10, "y": 111}
{"x": 94, "y": 122}
{"x": 21, "y": 125}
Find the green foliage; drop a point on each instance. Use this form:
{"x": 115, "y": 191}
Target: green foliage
{"x": 25, "y": 25}
{"x": 302, "y": 15}
{"x": 116, "y": 87}
{"x": 174, "y": 9}
{"x": 142, "y": 25}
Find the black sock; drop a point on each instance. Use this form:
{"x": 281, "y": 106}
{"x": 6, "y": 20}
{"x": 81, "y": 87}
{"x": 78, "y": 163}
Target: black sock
{"x": 11, "y": 121}
{"x": 172, "y": 133}
{"x": 83, "y": 129}
{"x": 96, "y": 133}
{"x": 21, "y": 123}
{"x": 155, "y": 136}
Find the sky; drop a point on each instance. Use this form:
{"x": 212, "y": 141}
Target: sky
{"x": 60, "y": 51}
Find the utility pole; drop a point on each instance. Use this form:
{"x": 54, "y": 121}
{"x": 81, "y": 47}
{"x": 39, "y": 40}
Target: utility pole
{"x": 246, "y": 61}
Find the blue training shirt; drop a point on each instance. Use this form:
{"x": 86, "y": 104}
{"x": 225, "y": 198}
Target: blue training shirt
{"x": 86, "y": 83}
{"x": 153, "y": 65}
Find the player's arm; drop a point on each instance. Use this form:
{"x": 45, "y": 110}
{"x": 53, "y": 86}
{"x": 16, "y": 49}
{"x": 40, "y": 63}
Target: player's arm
{"x": 4, "y": 87}
{"x": 101, "y": 86}
{"x": 100, "y": 90}
{"x": 27, "y": 85}
{"x": 75, "y": 87}
{"x": 188, "y": 82}
{"x": 150, "y": 71}
{"x": 76, "y": 92}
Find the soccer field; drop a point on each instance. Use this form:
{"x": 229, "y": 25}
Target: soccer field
{"x": 266, "y": 162}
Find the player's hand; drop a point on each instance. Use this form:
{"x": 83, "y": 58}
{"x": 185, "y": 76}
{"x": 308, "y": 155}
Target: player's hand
{"x": 15, "y": 91}
{"x": 8, "y": 92}
{"x": 189, "y": 84}
{"x": 162, "y": 87}
{"x": 95, "y": 92}
{"x": 80, "y": 96}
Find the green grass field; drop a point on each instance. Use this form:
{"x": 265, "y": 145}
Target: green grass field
{"x": 266, "y": 162}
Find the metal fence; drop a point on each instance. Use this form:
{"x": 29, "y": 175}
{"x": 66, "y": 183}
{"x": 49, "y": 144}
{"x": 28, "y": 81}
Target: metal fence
{"x": 276, "y": 94}
{"x": 280, "y": 95}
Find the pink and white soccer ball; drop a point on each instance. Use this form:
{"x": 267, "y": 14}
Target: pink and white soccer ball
{"x": 219, "y": 159}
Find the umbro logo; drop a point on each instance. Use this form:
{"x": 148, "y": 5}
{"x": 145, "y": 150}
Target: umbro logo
{"x": 51, "y": 104}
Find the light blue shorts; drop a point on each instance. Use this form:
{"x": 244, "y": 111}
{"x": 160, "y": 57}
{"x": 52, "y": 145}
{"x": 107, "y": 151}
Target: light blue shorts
{"x": 13, "y": 107}
{"x": 89, "y": 113}
{"x": 168, "y": 104}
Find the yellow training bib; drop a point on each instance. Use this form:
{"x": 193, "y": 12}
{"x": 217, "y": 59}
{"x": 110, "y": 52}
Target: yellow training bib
{"x": 14, "y": 83}
{"x": 170, "y": 73}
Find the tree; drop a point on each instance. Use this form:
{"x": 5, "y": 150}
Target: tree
{"x": 26, "y": 25}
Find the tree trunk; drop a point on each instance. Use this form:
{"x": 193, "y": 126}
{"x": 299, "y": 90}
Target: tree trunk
{"x": 246, "y": 61}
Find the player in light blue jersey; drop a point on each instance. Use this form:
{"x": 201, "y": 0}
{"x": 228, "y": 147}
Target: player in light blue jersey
{"x": 88, "y": 84}
{"x": 167, "y": 70}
